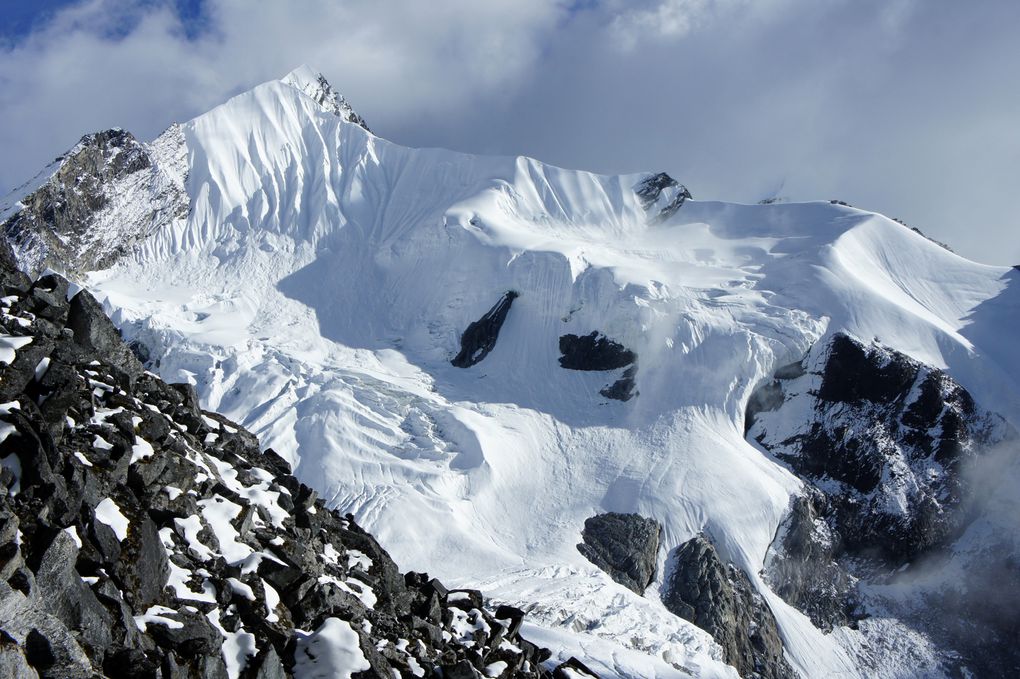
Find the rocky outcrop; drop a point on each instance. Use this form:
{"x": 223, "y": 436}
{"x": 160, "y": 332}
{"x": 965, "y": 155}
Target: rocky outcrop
{"x": 81, "y": 218}
{"x": 885, "y": 450}
{"x": 625, "y": 546}
{"x": 327, "y": 97}
{"x": 593, "y": 352}
{"x": 143, "y": 537}
{"x": 480, "y": 336}
{"x": 720, "y": 599}
{"x": 661, "y": 196}
{"x": 623, "y": 389}
{"x": 923, "y": 234}
{"x": 597, "y": 352}
{"x": 802, "y": 565}
{"x": 573, "y": 669}
{"x": 316, "y": 86}
{"x": 885, "y": 440}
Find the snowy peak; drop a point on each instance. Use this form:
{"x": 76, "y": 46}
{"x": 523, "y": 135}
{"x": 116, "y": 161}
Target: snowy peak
{"x": 315, "y": 85}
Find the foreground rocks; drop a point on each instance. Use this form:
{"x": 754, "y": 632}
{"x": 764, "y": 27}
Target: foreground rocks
{"x": 720, "y": 599}
{"x": 143, "y": 537}
{"x": 625, "y": 546}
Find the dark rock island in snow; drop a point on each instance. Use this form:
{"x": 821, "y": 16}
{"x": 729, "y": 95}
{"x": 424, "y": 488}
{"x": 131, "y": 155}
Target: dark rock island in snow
{"x": 480, "y": 337}
{"x": 886, "y": 439}
{"x": 597, "y": 352}
{"x": 661, "y": 196}
{"x": 623, "y": 545}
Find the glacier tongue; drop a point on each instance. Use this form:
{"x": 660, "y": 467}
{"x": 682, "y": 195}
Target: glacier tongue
{"x": 319, "y": 286}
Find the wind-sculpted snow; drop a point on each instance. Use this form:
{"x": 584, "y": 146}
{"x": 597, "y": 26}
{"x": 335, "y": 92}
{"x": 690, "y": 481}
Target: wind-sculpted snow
{"x": 321, "y": 283}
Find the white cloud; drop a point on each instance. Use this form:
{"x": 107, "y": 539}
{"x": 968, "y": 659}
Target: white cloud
{"x": 665, "y": 19}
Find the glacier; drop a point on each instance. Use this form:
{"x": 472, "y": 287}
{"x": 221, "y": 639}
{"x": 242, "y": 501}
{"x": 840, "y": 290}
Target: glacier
{"x": 316, "y": 289}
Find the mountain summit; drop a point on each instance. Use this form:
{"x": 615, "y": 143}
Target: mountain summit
{"x": 316, "y": 86}
{"x": 691, "y": 437}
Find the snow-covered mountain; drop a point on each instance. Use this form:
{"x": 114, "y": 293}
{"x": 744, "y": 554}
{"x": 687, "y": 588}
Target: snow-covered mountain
{"x": 476, "y": 355}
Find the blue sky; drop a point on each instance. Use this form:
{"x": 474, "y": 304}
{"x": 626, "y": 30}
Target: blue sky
{"x": 908, "y": 107}
{"x": 21, "y": 17}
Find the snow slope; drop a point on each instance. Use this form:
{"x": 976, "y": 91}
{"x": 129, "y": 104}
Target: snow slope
{"x": 317, "y": 291}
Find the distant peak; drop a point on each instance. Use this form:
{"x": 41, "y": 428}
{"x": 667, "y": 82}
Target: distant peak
{"x": 315, "y": 85}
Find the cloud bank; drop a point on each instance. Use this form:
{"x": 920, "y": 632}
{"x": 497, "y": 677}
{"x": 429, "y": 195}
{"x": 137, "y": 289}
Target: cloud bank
{"x": 905, "y": 107}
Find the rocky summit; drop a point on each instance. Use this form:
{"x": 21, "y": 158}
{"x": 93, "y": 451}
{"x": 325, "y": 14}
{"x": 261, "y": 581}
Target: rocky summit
{"x": 141, "y": 536}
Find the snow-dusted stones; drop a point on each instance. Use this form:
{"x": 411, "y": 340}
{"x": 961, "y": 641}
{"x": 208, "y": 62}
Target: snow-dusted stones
{"x": 719, "y": 598}
{"x": 143, "y": 537}
{"x": 625, "y": 546}
{"x": 480, "y": 337}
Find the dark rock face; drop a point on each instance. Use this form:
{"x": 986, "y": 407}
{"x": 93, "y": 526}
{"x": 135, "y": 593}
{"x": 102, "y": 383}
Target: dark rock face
{"x": 623, "y": 389}
{"x": 886, "y": 440}
{"x": 593, "y": 352}
{"x": 143, "y": 537}
{"x": 598, "y": 353}
{"x": 883, "y": 451}
{"x": 803, "y": 568}
{"x": 623, "y": 545}
{"x": 61, "y": 225}
{"x": 96, "y": 334}
{"x": 720, "y": 599}
{"x": 650, "y": 190}
{"x": 480, "y": 337}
